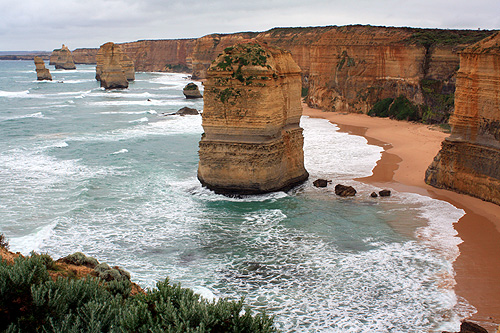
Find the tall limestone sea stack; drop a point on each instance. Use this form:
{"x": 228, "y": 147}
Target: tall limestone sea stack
{"x": 108, "y": 51}
{"x": 62, "y": 58}
{"x": 42, "y": 73}
{"x": 114, "y": 68}
{"x": 469, "y": 160}
{"x": 252, "y": 142}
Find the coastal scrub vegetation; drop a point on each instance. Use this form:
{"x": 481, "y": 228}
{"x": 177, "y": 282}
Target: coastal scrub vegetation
{"x": 191, "y": 86}
{"x": 31, "y": 301}
{"x": 399, "y": 108}
{"x": 429, "y": 37}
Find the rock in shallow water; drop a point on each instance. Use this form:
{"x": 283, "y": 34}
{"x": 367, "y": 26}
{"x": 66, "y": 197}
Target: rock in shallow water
{"x": 320, "y": 183}
{"x": 252, "y": 141}
{"x": 344, "y": 191}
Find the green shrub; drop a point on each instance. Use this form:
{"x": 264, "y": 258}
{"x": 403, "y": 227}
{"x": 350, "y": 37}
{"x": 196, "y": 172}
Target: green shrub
{"x": 30, "y": 302}
{"x": 400, "y": 108}
{"x": 80, "y": 259}
{"x": 381, "y": 108}
{"x": 191, "y": 86}
{"x": 403, "y": 109}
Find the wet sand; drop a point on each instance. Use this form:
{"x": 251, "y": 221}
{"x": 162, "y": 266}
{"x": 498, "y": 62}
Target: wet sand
{"x": 408, "y": 150}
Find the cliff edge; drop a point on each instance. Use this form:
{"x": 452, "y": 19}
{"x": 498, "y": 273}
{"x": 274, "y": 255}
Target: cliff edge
{"x": 252, "y": 142}
{"x": 469, "y": 160}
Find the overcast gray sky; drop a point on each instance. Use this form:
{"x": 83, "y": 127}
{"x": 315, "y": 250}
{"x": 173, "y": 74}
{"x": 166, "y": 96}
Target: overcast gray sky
{"x": 46, "y": 24}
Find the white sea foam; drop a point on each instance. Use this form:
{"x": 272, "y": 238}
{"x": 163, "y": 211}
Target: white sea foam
{"x": 121, "y": 151}
{"x": 33, "y": 241}
{"x": 14, "y": 94}
{"x": 140, "y": 120}
{"x": 156, "y": 102}
{"x": 129, "y": 112}
{"x": 328, "y": 152}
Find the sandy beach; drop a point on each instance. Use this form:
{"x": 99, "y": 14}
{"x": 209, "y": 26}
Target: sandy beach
{"x": 409, "y": 148}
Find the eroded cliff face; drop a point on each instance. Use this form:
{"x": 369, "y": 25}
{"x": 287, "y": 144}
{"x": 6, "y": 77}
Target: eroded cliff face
{"x": 110, "y": 53}
{"x": 346, "y": 69}
{"x": 252, "y": 141}
{"x": 469, "y": 160}
{"x": 85, "y": 56}
{"x": 62, "y": 58}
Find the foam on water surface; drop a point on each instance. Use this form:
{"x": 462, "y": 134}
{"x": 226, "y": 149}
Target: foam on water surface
{"x": 112, "y": 177}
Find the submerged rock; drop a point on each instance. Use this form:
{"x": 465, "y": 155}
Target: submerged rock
{"x": 191, "y": 90}
{"x": 252, "y": 108}
{"x": 42, "y": 73}
{"x": 344, "y": 191}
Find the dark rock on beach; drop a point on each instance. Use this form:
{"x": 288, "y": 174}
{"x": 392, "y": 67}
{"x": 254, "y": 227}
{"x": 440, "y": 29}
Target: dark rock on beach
{"x": 344, "y": 191}
{"x": 385, "y": 193}
{"x": 320, "y": 183}
{"x": 374, "y": 195}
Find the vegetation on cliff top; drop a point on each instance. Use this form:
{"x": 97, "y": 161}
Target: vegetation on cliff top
{"x": 429, "y": 37}
{"x": 32, "y": 301}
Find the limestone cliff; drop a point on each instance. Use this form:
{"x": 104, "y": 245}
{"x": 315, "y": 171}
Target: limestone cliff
{"x": 346, "y": 69}
{"x": 469, "y": 160}
{"x": 110, "y": 52}
{"x": 85, "y": 56}
{"x": 252, "y": 141}
{"x": 62, "y": 58}
{"x": 42, "y": 73}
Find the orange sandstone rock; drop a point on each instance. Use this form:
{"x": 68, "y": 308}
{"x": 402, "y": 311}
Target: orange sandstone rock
{"x": 252, "y": 141}
{"x": 42, "y": 73}
{"x": 110, "y": 52}
{"x": 469, "y": 160}
{"x": 62, "y": 58}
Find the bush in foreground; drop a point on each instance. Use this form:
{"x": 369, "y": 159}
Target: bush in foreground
{"x": 31, "y": 301}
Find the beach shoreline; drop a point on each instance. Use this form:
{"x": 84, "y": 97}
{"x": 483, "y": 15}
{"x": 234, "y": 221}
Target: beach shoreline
{"x": 409, "y": 148}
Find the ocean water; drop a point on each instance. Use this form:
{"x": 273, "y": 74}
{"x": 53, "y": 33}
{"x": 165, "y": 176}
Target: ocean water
{"x": 112, "y": 174}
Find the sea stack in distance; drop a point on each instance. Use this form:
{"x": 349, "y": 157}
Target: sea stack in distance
{"x": 114, "y": 69}
{"x": 62, "y": 58}
{"x": 42, "y": 73}
{"x": 252, "y": 142}
{"x": 469, "y": 160}
{"x": 110, "y": 51}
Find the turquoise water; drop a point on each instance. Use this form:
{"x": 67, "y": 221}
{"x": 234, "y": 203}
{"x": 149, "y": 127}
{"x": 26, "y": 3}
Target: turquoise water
{"x": 111, "y": 174}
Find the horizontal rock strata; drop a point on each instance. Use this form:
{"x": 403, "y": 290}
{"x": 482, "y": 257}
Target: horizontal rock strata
{"x": 346, "y": 69}
{"x": 112, "y": 52}
{"x": 62, "y": 58}
{"x": 469, "y": 160}
{"x": 252, "y": 141}
{"x": 42, "y": 73}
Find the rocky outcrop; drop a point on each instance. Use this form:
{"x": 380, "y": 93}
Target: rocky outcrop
{"x": 109, "y": 69}
{"x": 469, "y": 160}
{"x": 62, "y": 58}
{"x": 109, "y": 52}
{"x": 42, "y": 73}
{"x": 344, "y": 190}
{"x": 187, "y": 111}
{"x": 191, "y": 91}
{"x": 252, "y": 141}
